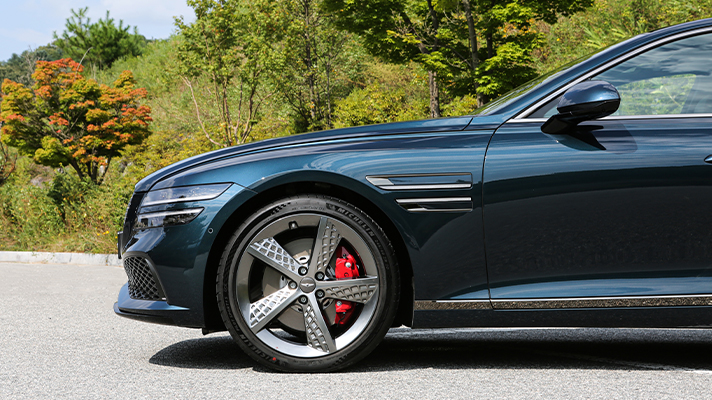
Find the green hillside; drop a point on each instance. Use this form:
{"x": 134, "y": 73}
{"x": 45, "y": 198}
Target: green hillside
{"x": 245, "y": 72}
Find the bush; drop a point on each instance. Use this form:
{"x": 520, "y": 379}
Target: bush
{"x": 7, "y": 163}
{"x": 42, "y": 210}
{"x": 390, "y": 93}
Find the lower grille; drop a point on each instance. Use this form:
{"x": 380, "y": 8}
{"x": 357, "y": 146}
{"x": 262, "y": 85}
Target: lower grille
{"x": 143, "y": 285}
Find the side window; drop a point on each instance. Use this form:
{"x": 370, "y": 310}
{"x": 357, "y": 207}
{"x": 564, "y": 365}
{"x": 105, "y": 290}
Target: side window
{"x": 675, "y": 78}
{"x": 547, "y": 110}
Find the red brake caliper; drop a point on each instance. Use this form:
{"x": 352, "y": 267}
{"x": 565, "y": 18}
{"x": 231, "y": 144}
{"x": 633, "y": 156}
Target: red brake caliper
{"x": 345, "y": 269}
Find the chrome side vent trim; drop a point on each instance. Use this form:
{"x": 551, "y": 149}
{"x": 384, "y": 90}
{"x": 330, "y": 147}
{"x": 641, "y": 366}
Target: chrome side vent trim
{"x": 445, "y": 204}
{"x": 447, "y": 181}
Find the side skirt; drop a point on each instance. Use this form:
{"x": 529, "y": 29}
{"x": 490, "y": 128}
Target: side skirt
{"x": 624, "y": 312}
{"x": 661, "y": 317}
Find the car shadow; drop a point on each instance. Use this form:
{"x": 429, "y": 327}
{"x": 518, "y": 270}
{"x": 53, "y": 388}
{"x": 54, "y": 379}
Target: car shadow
{"x": 406, "y": 349}
{"x": 218, "y": 352}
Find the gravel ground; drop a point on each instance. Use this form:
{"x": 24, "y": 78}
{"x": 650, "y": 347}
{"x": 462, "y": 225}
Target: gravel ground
{"x": 59, "y": 338}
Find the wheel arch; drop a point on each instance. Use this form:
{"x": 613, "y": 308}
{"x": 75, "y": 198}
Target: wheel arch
{"x": 404, "y": 314}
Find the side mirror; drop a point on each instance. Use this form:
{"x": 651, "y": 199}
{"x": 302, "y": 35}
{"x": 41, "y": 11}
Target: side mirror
{"x": 583, "y": 102}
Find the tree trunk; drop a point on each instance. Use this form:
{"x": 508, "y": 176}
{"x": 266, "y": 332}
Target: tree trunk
{"x": 309, "y": 62}
{"x": 490, "y": 46}
{"x": 432, "y": 75}
{"x": 434, "y": 95}
{"x": 77, "y": 168}
{"x": 473, "y": 37}
{"x": 475, "y": 59}
{"x": 328, "y": 93}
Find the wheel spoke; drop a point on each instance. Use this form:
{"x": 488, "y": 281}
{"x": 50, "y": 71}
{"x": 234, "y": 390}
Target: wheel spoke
{"x": 327, "y": 239}
{"x": 359, "y": 290}
{"x": 270, "y": 252}
{"x": 318, "y": 335}
{"x": 264, "y": 310}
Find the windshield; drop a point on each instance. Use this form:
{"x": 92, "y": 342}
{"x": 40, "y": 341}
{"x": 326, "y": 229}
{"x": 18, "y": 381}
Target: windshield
{"x": 493, "y": 106}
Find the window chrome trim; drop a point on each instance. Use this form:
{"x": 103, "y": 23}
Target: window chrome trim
{"x": 522, "y": 115}
{"x": 654, "y": 116}
{"x": 529, "y": 120}
{"x": 621, "y": 118}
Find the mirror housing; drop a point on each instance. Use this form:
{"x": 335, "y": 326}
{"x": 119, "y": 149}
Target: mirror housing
{"x": 583, "y": 102}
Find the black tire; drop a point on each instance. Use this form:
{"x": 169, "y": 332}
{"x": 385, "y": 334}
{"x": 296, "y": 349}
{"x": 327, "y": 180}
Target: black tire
{"x": 255, "y": 303}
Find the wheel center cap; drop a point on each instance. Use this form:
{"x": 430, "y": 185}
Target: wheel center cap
{"x": 307, "y": 285}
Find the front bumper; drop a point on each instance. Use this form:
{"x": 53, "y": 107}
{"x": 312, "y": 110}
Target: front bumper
{"x": 157, "y": 312}
{"x": 177, "y": 257}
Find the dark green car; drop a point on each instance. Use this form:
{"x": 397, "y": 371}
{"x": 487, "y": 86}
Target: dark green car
{"x": 581, "y": 199}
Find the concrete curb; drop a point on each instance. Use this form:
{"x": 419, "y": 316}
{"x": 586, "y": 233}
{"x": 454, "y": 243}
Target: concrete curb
{"x": 59, "y": 258}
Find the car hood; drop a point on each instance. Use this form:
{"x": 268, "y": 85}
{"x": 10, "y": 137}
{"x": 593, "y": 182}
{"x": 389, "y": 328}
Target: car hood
{"x": 429, "y": 125}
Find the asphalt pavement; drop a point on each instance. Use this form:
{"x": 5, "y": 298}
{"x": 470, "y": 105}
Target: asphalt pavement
{"x": 59, "y": 338}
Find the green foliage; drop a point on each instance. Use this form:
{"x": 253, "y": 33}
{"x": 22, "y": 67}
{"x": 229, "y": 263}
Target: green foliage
{"x": 230, "y": 43}
{"x": 100, "y": 44}
{"x": 155, "y": 69}
{"x": 470, "y": 46}
{"x": 316, "y": 63}
{"x": 67, "y": 189}
{"x": 509, "y": 68}
{"x": 41, "y": 210}
{"x": 655, "y": 96}
{"x": 373, "y": 105}
{"x": 7, "y": 162}
{"x": 19, "y": 68}
{"x": 161, "y": 149}
{"x": 463, "y": 105}
{"x": 66, "y": 119}
{"x": 27, "y": 215}
{"x": 391, "y": 93}
{"x": 610, "y": 21}
{"x": 305, "y": 64}
{"x": 172, "y": 106}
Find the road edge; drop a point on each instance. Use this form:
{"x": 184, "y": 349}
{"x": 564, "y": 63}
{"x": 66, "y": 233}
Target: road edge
{"x": 35, "y": 257}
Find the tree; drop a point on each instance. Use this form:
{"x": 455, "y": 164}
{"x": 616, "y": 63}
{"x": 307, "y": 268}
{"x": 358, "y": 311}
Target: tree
{"x": 610, "y": 21}
{"x": 472, "y": 46}
{"x": 66, "y": 119}
{"x": 230, "y": 43}
{"x": 19, "y": 68}
{"x": 312, "y": 50}
{"x": 414, "y": 23}
{"x": 101, "y": 43}
{"x": 7, "y": 162}
{"x": 388, "y": 93}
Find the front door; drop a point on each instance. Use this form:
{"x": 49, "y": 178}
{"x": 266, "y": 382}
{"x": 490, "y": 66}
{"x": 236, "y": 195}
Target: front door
{"x": 620, "y": 207}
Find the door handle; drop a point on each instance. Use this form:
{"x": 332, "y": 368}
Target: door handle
{"x": 708, "y": 159}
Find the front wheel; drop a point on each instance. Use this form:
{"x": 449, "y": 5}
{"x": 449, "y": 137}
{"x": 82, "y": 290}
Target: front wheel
{"x": 308, "y": 283}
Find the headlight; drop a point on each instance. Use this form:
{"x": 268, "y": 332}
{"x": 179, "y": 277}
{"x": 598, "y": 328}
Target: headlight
{"x": 161, "y": 218}
{"x": 183, "y": 194}
{"x": 155, "y": 218}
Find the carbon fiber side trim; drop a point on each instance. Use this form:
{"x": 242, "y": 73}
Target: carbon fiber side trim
{"x": 421, "y": 305}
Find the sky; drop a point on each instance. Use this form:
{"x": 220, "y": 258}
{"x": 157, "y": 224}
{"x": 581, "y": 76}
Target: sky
{"x": 30, "y": 23}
